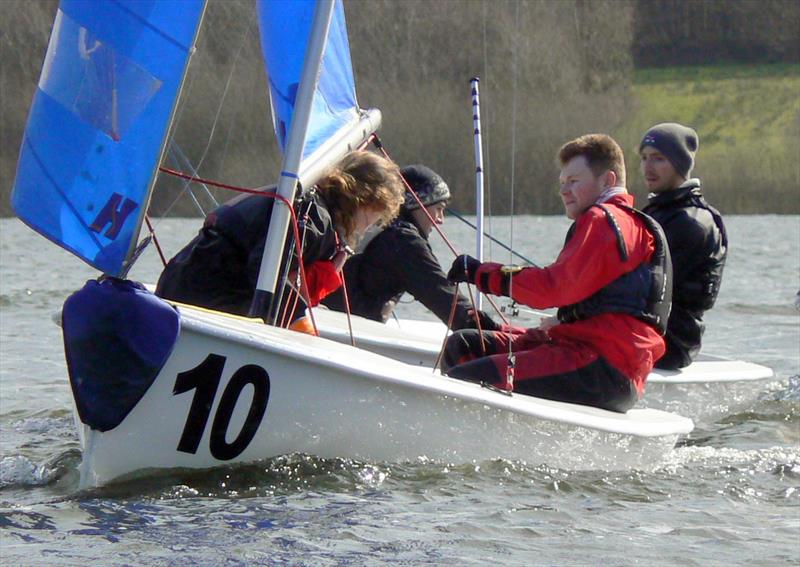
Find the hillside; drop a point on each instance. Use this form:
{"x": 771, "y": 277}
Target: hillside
{"x": 748, "y": 120}
{"x": 550, "y": 70}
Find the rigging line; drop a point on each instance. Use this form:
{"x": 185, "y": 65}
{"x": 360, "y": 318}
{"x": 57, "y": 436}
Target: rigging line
{"x": 291, "y": 313}
{"x": 188, "y": 164}
{"x": 270, "y": 195}
{"x": 347, "y": 310}
{"x": 379, "y": 145}
{"x": 413, "y": 193}
{"x": 514, "y": 89}
{"x": 449, "y": 327}
{"x": 488, "y": 153}
{"x": 490, "y": 237}
{"x": 175, "y": 157}
{"x": 181, "y": 161}
{"x": 510, "y": 367}
{"x": 245, "y": 35}
{"x": 228, "y": 135}
{"x": 183, "y": 190}
{"x": 155, "y": 240}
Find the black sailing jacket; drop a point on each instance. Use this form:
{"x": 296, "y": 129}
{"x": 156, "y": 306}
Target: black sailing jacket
{"x": 400, "y": 259}
{"x": 698, "y": 244}
{"x": 219, "y": 268}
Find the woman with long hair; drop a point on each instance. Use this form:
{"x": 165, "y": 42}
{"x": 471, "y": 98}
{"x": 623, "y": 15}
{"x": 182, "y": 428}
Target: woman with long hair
{"x": 219, "y": 268}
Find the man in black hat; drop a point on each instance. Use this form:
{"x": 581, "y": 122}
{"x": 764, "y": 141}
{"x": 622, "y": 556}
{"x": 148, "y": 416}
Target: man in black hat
{"x": 695, "y": 232}
{"x": 400, "y": 259}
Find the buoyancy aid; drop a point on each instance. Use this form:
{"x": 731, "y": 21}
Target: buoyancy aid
{"x": 644, "y": 293}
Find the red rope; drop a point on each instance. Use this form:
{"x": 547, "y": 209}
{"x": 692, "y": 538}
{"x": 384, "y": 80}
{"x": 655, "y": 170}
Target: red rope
{"x": 419, "y": 202}
{"x": 449, "y": 326}
{"x": 155, "y": 240}
{"x": 347, "y": 310}
{"x": 295, "y": 229}
{"x": 379, "y": 145}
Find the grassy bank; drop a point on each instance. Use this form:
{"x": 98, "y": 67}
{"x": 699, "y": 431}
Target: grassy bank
{"x": 748, "y": 120}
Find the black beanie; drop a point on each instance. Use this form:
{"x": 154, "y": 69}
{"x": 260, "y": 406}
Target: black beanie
{"x": 427, "y": 184}
{"x": 678, "y": 143}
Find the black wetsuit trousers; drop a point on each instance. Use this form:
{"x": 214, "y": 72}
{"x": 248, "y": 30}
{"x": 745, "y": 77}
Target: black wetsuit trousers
{"x": 560, "y": 371}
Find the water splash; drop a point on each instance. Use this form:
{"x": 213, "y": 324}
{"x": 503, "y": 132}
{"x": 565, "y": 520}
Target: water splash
{"x": 18, "y": 470}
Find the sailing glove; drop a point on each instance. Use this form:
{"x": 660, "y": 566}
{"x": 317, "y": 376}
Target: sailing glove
{"x": 463, "y": 269}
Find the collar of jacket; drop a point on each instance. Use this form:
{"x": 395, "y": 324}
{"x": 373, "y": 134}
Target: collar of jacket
{"x": 691, "y": 187}
{"x": 406, "y": 220}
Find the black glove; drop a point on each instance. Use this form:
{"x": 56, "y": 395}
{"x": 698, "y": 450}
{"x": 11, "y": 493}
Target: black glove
{"x": 487, "y": 323}
{"x": 463, "y": 269}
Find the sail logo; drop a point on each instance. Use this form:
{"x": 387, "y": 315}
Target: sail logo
{"x": 115, "y": 212}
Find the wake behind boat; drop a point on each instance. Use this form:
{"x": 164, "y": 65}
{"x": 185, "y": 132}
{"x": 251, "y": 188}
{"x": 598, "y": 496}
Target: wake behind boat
{"x": 162, "y": 386}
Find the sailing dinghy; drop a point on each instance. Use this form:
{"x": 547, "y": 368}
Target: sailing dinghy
{"x": 158, "y": 385}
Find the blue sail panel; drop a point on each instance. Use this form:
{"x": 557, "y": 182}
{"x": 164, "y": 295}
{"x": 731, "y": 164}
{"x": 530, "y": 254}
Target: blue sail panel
{"x": 96, "y": 127}
{"x": 285, "y": 26}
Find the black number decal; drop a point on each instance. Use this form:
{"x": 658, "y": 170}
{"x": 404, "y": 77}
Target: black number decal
{"x": 250, "y": 374}
{"x": 205, "y": 378}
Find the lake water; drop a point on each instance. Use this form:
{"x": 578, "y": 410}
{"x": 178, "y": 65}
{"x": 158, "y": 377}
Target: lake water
{"x": 728, "y": 494}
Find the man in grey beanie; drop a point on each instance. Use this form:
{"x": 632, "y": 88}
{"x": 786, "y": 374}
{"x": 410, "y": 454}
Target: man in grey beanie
{"x": 696, "y": 234}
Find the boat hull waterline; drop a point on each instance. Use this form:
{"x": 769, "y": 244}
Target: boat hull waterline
{"x": 279, "y": 392}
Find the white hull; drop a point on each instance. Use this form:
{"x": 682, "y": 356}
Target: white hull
{"x": 709, "y": 388}
{"x": 332, "y": 400}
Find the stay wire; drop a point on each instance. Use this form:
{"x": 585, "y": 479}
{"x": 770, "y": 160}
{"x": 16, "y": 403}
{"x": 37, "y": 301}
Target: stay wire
{"x": 378, "y": 144}
{"x": 510, "y": 368}
{"x": 449, "y": 326}
{"x": 187, "y": 186}
{"x": 288, "y": 315}
{"x": 293, "y": 224}
{"x": 155, "y": 240}
{"x": 347, "y": 310}
{"x": 488, "y": 176}
{"x": 490, "y": 237}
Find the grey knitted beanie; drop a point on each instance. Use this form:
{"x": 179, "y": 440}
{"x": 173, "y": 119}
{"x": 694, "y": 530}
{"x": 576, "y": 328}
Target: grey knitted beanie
{"x": 677, "y": 142}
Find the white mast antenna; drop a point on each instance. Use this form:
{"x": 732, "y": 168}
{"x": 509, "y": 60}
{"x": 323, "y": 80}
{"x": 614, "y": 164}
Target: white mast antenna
{"x": 476, "y": 122}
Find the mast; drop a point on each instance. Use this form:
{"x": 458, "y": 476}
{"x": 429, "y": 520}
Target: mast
{"x": 264, "y": 297}
{"x": 476, "y": 121}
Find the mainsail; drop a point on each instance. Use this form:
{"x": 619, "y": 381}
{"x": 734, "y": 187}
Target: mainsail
{"x": 97, "y": 124}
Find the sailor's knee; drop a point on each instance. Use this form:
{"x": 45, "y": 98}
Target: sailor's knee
{"x": 457, "y": 349}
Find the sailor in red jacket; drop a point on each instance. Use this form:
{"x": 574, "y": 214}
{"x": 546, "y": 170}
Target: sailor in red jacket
{"x": 611, "y": 284}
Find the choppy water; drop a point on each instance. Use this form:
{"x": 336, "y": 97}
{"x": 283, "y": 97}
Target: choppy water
{"x": 729, "y": 494}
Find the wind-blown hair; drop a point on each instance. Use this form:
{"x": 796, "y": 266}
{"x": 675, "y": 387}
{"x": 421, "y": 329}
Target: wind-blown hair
{"x": 362, "y": 179}
{"x": 602, "y": 154}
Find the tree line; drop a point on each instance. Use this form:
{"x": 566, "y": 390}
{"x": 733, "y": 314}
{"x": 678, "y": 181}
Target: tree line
{"x": 550, "y": 70}
{"x": 681, "y": 32}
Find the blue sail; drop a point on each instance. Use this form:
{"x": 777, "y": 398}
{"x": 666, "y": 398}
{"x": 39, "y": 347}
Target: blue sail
{"x": 98, "y": 120}
{"x": 285, "y": 26}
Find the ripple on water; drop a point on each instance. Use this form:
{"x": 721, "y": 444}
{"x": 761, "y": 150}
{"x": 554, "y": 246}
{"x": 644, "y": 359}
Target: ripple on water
{"x": 18, "y": 470}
